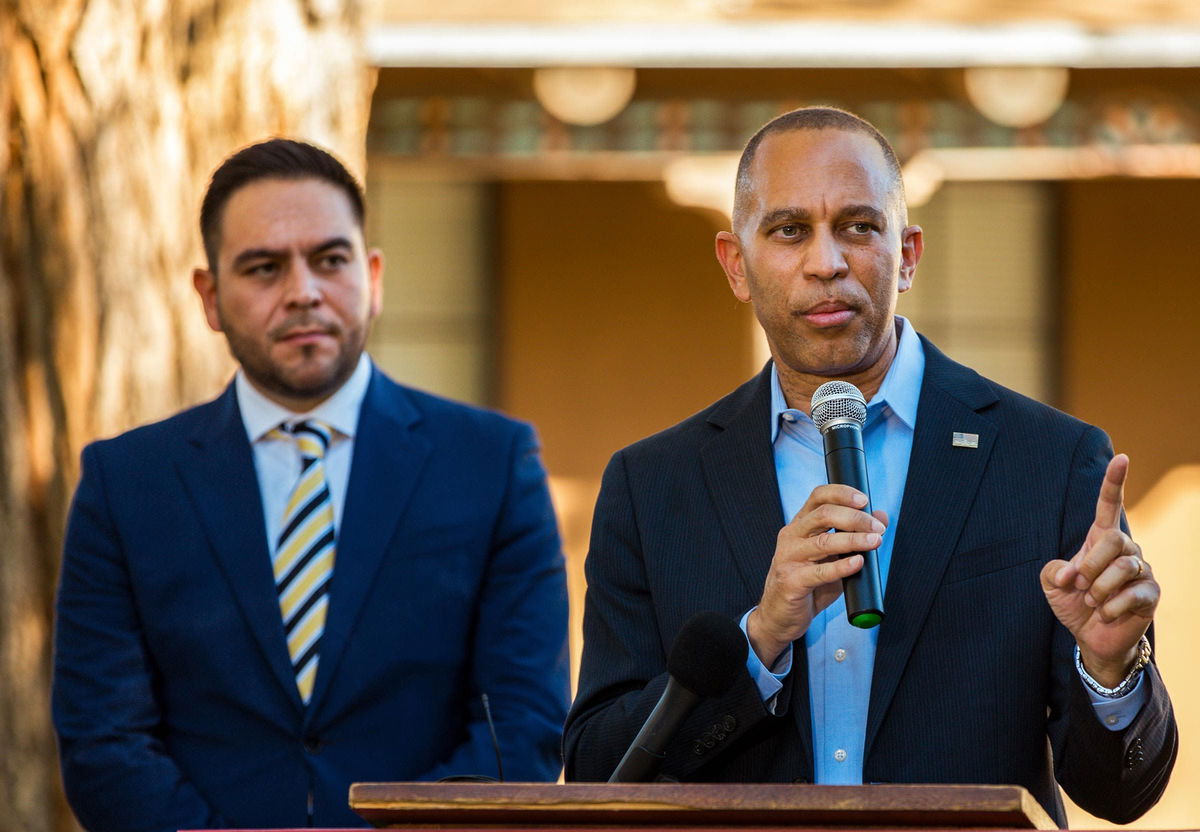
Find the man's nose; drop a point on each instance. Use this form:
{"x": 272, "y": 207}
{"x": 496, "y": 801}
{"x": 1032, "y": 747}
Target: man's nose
{"x": 302, "y": 287}
{"x": 824, "y": 258}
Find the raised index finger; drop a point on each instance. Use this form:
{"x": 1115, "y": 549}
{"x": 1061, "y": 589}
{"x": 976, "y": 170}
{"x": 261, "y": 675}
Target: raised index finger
{"x": 1112, "y": 493}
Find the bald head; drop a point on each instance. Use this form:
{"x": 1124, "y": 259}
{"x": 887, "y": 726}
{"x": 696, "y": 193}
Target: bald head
{"x": 811, "y": 118}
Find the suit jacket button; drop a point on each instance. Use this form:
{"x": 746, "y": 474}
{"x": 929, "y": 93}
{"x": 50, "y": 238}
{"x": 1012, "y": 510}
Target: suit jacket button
{"x": 312, "y": 745}
{"x": 1135, "y": 755}
{"x": 728, "y": 722}
{"x": 698, "y": 748}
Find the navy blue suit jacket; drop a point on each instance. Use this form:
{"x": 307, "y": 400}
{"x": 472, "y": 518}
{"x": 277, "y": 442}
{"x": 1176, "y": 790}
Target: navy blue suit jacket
{"x": 173, "y": 696}
{"x": 973, "y": 680}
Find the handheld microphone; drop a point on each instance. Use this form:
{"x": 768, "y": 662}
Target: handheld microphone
{"x": 839, "y": 411}
{"x": 705, "y": 660}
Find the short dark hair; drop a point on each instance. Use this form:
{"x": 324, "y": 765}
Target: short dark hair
{"x": 810, "y": 118}
{"x": 271, "y": 159}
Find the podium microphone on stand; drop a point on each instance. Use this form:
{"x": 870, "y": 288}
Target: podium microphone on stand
{"x": 708, "y": 655}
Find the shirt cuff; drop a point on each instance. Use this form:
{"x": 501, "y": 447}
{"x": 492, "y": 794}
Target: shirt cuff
{"x": 769, "y": 681}
{"x": 1115, "y": 714}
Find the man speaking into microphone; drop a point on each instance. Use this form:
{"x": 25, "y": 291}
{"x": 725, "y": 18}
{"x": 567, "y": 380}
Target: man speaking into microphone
{"x": 1012, "y": 646}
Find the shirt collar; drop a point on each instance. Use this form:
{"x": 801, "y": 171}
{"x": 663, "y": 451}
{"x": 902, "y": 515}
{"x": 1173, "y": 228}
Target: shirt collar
{"x": 340, "y": 411}
{"x": 900, "y": 391}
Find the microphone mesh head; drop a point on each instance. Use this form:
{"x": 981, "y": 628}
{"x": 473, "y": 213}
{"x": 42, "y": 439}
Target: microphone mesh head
{"x": 838, "y": 400}
{"x": 708, "y": 655}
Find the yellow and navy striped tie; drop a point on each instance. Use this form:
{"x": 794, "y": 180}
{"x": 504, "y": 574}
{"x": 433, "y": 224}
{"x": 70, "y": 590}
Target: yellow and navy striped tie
{"x": 303, "y": 559}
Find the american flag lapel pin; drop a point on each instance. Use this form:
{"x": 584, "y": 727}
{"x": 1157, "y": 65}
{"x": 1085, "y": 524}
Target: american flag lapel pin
{"x": 965, "y": 440}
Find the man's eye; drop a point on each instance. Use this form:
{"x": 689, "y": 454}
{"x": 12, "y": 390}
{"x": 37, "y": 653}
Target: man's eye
{"x": 333, "y": 261}
{"x": 265, "y": 269}
{"x": 862, "y": 228}
{"x": 788, "y": 230}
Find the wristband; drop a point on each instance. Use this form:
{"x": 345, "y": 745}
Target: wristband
{"x": 1127, "y": 684}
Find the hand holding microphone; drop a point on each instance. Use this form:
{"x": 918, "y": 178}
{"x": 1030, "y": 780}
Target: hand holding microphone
{"x": 810, "y": 562}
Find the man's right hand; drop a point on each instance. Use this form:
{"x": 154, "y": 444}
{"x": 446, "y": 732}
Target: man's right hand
{"x": 809, "y": 564}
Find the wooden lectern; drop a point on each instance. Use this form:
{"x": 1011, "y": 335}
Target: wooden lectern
{"x": 709, "y": 807}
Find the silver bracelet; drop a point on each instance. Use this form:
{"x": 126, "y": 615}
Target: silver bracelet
{"x": 1127, "y": 684}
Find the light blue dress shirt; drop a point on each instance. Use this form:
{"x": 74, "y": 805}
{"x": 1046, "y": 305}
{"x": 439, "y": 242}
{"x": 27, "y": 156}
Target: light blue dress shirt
{"x": 841, "y": 658}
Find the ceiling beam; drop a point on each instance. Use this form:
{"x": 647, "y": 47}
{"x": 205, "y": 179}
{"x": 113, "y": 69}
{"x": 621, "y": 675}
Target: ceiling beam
{"x": 780, "y": 44}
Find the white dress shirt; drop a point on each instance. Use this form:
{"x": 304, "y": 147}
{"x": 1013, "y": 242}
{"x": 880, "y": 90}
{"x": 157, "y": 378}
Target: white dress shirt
{"x": 277, "y": 460}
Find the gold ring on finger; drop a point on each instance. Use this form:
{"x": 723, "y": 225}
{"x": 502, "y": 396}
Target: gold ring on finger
{"x": 1141, "y": 568}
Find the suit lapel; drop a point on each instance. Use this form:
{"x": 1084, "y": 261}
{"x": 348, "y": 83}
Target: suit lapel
{"x": 219, "y": 454}
{"x": 387, "y": 464}
{"x": 938, "y": 494}
{"x": 739, "y": 471}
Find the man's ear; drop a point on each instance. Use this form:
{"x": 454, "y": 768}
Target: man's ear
{"x": 375, "y": 280}
{"x": 206, "y": 287}
{"x": 729, "y": 254}
{"x": 912, "y": 244}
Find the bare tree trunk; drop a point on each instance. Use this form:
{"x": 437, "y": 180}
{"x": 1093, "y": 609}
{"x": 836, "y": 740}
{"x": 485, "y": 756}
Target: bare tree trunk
{"x": 114, "y": 113}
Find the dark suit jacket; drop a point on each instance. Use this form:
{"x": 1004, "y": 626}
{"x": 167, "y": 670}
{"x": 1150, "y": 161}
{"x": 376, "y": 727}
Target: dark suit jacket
{"x": 972, "y": 671}
{"x": 173, "y": 696}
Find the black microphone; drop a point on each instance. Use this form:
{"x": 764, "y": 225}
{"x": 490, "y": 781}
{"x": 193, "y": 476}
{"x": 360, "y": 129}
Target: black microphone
{"x": 839, "y": 411}
{"x": 482, "y": 778}
{"x": 708, "y": 654}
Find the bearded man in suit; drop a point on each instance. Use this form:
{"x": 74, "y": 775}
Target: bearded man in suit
{"x": 317, "y": 578}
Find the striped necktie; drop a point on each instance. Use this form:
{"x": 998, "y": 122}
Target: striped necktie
{"x": 303, "y": 561}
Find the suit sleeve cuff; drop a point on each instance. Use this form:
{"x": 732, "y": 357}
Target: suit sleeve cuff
{"x": 1116, "y": 714}
{"x": 769, "y": 681}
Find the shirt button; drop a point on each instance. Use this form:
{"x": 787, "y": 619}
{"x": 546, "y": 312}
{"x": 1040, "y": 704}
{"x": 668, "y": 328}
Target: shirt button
{"x": 840, "y": 755}
{"x": 789, "y": 417}
{"x": 1111, "y": 720}
{"x": 839, "y": 654}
